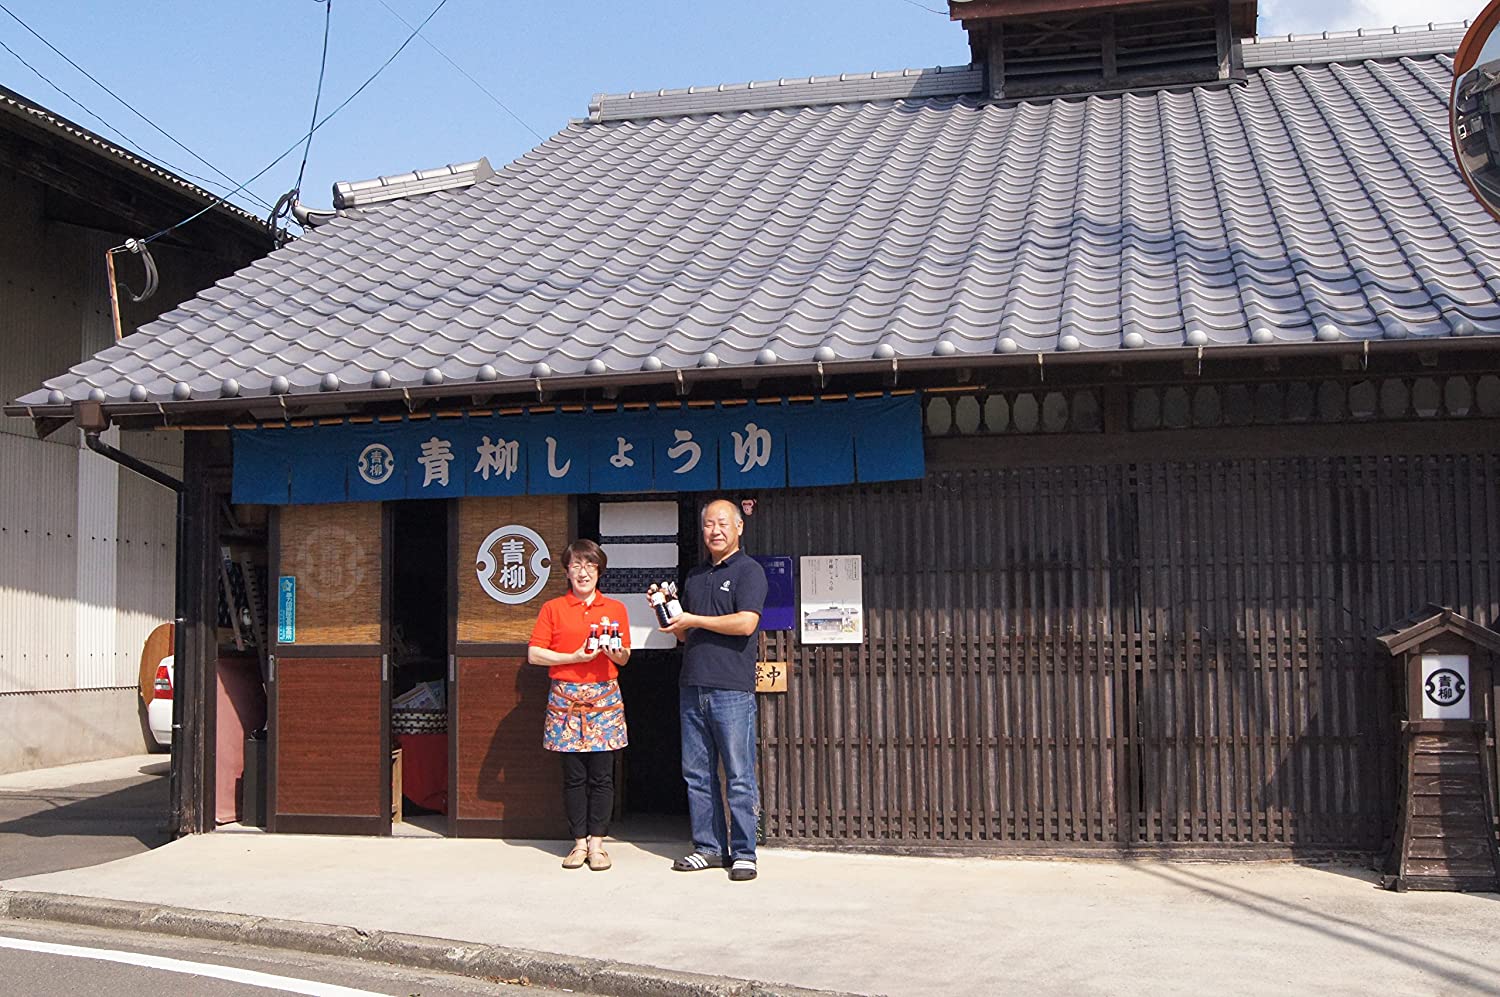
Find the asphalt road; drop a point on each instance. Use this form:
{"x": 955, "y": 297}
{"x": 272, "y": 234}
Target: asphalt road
{"x": 197, "y": 968}
{"x": 120, "y": 812}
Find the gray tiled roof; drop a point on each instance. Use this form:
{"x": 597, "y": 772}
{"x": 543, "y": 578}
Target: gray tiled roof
{"x": 1351, "y": 46}
{"x": 363, "y": 192}
{"x": 846, "y": 88}
{"x": 1314, "y": 203}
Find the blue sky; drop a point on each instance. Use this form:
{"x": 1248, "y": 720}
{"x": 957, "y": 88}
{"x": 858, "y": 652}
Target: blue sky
{"x": 235, "y": 81}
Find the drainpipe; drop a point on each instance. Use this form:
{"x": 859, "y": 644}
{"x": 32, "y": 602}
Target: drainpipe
{"x": 92, "y": 420}
{"x": 145, "y": 470}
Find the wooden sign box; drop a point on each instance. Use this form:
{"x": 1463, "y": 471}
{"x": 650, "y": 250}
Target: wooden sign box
{"x": 1446, "y": 827}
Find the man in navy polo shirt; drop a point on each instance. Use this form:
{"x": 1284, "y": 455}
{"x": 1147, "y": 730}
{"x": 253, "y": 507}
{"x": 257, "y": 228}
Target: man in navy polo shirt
{"x": 722, "y": 601}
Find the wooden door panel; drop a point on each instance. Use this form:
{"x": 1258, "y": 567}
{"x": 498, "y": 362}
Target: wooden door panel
{"x": 507, "y": 783}
{"x": 330, "y": 771}
{"x": 330, "y": 745}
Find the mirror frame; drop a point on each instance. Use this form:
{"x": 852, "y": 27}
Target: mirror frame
{"x": 1480, "y": 28}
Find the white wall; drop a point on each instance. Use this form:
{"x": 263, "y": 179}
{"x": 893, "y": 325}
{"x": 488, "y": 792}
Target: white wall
{"x": 86, "y": 548}
{"x": 42, "y": 729}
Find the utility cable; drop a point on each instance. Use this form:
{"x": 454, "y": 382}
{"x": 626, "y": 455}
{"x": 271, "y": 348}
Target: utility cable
{"x": 318, "y": 96}
{"x": 914, "y": 3}
{"x": 498, "y": 102}
{"x": 128, "y": 106}
{"x": 284, "y": 203}
{"x": 293, "y": 147}
{"x": 125, "y": 139}
{"x": 152, "y": 276}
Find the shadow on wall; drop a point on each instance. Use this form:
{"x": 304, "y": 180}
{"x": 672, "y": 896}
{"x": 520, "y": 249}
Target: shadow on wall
{"x": 517, "y": 736}
{"x": 520, "y": 781}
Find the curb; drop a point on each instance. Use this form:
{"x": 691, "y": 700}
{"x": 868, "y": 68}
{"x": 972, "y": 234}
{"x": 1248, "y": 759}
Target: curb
{"x": 473, "y": 959}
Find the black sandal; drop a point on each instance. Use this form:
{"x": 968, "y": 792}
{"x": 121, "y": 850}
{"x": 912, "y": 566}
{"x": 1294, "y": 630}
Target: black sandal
{"x": 696, "y": 861}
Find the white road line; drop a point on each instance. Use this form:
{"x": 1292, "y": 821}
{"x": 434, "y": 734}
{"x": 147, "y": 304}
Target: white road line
{"x": 248, "y": 977}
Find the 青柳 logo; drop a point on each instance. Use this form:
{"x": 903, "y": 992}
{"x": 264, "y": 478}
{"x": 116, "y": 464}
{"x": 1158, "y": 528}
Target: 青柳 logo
{"x": 513, "y": 564}
{"x": 376, "y": 463}
{"x": 1445, "y": 687}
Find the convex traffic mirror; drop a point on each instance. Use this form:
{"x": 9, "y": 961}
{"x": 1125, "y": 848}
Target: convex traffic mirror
{"x": 1475, "y": 107}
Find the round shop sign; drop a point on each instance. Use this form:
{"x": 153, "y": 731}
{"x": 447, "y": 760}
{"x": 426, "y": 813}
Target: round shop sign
{"x": 1446, "y": 687}
{"x": 376, "y": 463}
{"x": 513, "y": 564}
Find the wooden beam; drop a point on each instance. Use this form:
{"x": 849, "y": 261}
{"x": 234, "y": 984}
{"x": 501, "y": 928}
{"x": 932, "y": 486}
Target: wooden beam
{"x": 1250, "y": 442}
{"x": 139, "y": 204}
{"x": 981, "y": 9}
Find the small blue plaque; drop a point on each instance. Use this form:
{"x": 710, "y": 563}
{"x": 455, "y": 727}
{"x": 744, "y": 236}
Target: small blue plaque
{"x": 286, "y": 614}
{"x": 781, "y": 593}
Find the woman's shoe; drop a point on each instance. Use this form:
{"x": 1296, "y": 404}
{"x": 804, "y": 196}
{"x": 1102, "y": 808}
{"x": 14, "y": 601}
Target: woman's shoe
{"x": 599, "y": 860}
{"x": 576, "y": 858}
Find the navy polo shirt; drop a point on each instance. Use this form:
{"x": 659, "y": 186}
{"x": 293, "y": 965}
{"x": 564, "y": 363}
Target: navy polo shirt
{"x": 720, "y": 661}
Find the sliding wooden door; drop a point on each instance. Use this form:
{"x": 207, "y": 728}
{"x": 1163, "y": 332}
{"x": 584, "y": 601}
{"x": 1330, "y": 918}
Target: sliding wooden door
{"x": 329, "y": 690}
{"x": 504, "y": 783}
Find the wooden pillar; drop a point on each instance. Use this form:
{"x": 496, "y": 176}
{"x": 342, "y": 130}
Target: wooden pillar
{"x": 994, "y": 72}
{"x": 1224, "y": 38}
{"x": 193, "y": 702}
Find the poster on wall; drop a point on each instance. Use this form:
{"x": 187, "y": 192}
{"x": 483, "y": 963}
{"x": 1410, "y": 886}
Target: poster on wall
{"x": 780, "y": 612}
{"x": 833, "y": 602}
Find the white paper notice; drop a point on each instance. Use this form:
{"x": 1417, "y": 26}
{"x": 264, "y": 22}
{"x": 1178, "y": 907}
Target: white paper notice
{"x": 833, "y": 599}
{"x": 1445, "y": 687}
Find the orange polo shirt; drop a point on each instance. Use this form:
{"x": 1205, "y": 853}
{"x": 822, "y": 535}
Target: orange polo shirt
{"x": 563, "y": 625}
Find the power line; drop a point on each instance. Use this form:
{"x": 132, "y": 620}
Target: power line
{"x": 286, "y": 202}
{"x": 318, "y": 96}
{"x": 128, "y": 106}
{"x": 293, "y": 147}
{"x": 126, "y": 139}
{"x": 914, "y": 3}
{"x": 498, "y": 102}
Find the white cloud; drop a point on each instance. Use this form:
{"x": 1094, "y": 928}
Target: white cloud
{"x": 1279, "y": 17}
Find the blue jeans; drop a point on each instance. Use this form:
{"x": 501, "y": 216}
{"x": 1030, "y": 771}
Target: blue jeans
{"x": 718, "y": 725}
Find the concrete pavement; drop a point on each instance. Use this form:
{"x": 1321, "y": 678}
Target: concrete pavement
{"x": 860, "y": 923}
{"x": 81, "y": 815}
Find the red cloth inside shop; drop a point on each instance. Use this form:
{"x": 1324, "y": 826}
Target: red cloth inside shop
{"x": 424, "y": 770}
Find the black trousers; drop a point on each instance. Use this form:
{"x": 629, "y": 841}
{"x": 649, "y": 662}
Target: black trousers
{"x": 588, "y": 791}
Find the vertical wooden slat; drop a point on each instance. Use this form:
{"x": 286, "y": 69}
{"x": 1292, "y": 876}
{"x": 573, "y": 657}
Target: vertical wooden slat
{"x": 1166, "y": 651}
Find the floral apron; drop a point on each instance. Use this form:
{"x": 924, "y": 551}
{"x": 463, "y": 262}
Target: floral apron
{"x": 584, "y": 716}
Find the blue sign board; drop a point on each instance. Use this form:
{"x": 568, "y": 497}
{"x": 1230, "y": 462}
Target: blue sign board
{"x": 755, "y": 445}
{"x": 781, "y": 593}
{"x": 286, "y": 613}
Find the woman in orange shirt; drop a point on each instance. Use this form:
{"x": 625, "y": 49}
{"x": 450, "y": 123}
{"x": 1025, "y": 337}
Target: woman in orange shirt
{"x": 585, "y": 714}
